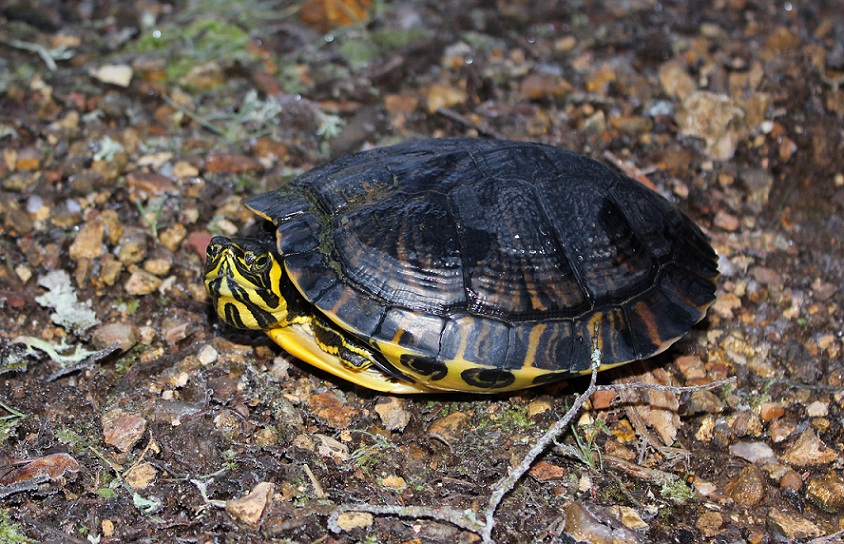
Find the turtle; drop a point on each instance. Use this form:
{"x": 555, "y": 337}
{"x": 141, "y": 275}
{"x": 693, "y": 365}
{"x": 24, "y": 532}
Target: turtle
{"x": 464, "y": 264}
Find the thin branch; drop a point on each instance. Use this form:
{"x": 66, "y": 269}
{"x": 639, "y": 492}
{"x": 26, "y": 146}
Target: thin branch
{"x": 669, "y": 388}
{"x": 465, "y": 519}
{"x": 508, "y": 482}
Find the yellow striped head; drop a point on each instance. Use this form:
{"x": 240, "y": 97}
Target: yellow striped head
{"x": 244, "y": 279}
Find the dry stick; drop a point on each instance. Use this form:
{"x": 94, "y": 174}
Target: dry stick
{"x": 504, "y": 485}
{"x": 829, "y": 539}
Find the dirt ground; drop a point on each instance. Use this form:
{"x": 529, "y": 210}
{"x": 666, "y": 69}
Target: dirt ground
{"x": 130, "y": 131}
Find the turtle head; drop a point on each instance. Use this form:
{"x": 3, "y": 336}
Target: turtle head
{"x": 244, "y": 280}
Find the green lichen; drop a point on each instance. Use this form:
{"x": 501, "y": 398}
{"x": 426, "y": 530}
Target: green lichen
{"x": 10, "y": 532}
{"x": 678, "y": 492}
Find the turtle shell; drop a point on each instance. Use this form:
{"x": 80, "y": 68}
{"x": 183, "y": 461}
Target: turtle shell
{"x": 489, "y": 264}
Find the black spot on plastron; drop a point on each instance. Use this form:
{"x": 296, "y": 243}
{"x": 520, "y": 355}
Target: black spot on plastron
{"x": 426, "y": 366}
{"x": 550, "y": 377}
{"x": 488, "y": 378}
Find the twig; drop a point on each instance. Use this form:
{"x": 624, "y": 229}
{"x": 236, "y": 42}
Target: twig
{"x": 464, "y": 519}
{"x": 669, "y": 388}
{"x": 508, "y": 482}
{"x": 314, "y": 482}
{"x": 828, "y": 539}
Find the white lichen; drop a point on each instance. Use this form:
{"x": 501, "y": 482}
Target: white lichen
{"x": 70, "y": 313}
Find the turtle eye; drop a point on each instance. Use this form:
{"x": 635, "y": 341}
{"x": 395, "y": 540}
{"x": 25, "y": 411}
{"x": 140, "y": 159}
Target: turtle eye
{"x": 258, "y": 262}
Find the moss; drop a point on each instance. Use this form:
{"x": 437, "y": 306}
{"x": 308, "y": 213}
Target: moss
{"x": 198, "y": 43}
{"x": 679, "y": 492}
{"x": 10, "y": 532}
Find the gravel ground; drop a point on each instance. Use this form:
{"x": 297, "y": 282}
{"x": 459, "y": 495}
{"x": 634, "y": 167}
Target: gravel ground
{"x": 130, "y": 132}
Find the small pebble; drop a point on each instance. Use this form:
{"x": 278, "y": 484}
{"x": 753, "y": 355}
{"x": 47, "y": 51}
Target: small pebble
{"x": 791, "y": 480}
{"x": 173, "y": 236}
{"x": 329, "y": 408}
{"x": 749, "y": 487}
{"x": 88, "y": 243}
{"x": 780, "y": 430}
{"x": 791, "y": 526}
{"x": 123, "y": 429}
{"x": 752, "y": 451}
{"x": 392, "y": 413}
{"x": 809, "y": 450}
{"x": 769, "y": 411}
{"x": 142, "y": 282}
{"x": 827, "y": 492}
{"x": 394, "y": 482}
{"x": 132, "y": 248}
{"x": 543, "y": 471}
{"x": 709, "y": 523}
{"x": 590, "y": 523}
{"x": 109, "y": 333}
{"x": 354, "y": 520}
{"x": 450, "y": 428}
{"x": 726, "y": 221}
{"x": 817, "y": 409}
{"x": 207, "y": 355}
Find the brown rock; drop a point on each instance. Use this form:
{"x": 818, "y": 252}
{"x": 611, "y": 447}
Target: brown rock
{"x": 591, "y": 523}
{"x": 691, "y": 367}
{"x": 769, "y": 411}
{"x": 148, "y": 184}
{"x": 39, "y": 469}
{"x": 709, "y": 523}
{"x": 540, "y": 85}
{"x": 106, "y": 335}
{"x": 330, "y": 409}
{"x": 88, "y": 243}
{"x": 449, "y": 428}
{"x": 544, "y": 471}
{"x": 123, "y": 429}
{"x": 791, "y": 526}
{"x": 749, "y": 487}
{"x": 791, "y": 480}
{"x": 809, "y": 450}
{"x": 703, "y": 402}
{"x": 726, "y": 221}
{"x": 348, "y": 521}
{"x": 716, "y": 118}
{"x": 173, "y": 236}
{"x": 392, "y": 413}
{"x": 132, "y": 247}
{"x": 140, "y": 476}
{"x": 142, "y": 282}
{"x": 827, "y": 492}
{"x": 780, "y": 430}
{"x": 675, "y": 80}
{"x": 232, "y": 164}
{"x": 250, "y": 508}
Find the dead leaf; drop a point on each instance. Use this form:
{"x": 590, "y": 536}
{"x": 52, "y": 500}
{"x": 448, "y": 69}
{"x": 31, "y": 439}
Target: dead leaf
{"x": 39, "y": 469}
{"x": 649, "y": 407}
{"x": 327, "y": 14}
